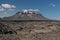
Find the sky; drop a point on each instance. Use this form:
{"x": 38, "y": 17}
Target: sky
{"x": 48, "y": 8}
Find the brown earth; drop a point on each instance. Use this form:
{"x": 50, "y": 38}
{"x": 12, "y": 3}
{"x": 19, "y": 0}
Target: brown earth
{"x": 43, "y": 30}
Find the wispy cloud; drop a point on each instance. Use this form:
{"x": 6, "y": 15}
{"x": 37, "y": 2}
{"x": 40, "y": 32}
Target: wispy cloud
{"x": 11, "y": 9}
{"x": 34, "y": 10}
{"x": 5, "y": 13}
{"x": 52, "y": 5}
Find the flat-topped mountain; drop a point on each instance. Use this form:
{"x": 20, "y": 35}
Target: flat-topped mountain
{"x": 27, "y": 15}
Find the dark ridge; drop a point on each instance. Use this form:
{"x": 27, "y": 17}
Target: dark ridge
{"x": 29, "y": 20}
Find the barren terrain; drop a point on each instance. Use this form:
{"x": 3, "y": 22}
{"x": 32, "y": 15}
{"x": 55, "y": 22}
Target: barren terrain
{"x": 30, "y": 30}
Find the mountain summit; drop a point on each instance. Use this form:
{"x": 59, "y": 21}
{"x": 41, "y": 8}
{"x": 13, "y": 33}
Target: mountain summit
{"x": 27, "y": 15}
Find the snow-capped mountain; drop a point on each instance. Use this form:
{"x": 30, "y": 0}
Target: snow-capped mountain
{"x": 27, "y": 15}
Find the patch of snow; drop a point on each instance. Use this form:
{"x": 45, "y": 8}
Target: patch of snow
{"x": 30, "y": 10}
{"x": 25, "y": 11}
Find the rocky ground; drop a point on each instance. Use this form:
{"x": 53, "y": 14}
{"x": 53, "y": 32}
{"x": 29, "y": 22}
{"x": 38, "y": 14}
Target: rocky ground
{"x": 30, "y": 30}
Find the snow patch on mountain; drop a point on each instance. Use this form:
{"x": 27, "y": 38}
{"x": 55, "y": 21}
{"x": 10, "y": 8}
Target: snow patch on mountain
{"x": 30, "y": 10}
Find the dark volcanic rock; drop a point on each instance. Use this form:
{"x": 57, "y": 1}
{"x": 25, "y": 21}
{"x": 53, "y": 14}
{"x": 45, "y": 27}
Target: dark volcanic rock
{"x": 4, "y": 29}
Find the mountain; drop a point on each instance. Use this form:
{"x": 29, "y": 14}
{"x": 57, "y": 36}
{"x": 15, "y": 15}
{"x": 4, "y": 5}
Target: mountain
{"x": 26, "y": 15}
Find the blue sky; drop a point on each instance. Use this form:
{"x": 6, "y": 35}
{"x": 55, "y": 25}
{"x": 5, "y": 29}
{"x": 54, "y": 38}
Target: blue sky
{"x": 48, "y": 8}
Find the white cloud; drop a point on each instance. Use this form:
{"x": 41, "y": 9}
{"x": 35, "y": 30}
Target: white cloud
{"x": 36, "y": 10}
{"x": 13, "y": 6}
{"x": 8, "y": 6}
{"x": 33, "y": 10}
{"x": 52, "y": 5}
